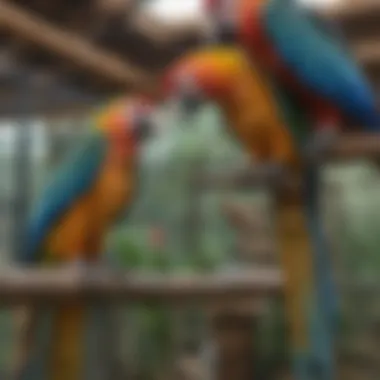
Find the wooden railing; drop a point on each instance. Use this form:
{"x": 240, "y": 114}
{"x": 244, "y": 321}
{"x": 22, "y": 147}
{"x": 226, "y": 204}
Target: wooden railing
{"x": 54, "y": 285}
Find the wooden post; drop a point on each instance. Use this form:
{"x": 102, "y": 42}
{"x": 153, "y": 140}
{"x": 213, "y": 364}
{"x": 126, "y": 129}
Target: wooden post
{"x": 22, "y": 174}
{"x": 233, "y": 333}
{"x": 71, "y": 47}
{"x": 234, "y": 325}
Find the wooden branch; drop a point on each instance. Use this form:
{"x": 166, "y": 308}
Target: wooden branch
{"x": 53, "y": 99}
{"x": 115, "y": 6}
{"x": 356, "y": 145}
{"x": 164, "y": 33}
{"x": 350, "y": 146}
{"x": 168, "y": 33}
{"x": 352, "y": 9}
{"x": 69, "y": 46}
{"x": 367, "y": 51}
{"x": 18, "y": 286}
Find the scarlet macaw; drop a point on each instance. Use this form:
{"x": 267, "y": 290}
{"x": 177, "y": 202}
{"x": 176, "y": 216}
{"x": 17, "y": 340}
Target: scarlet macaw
{"x": 85, "y": 197}
{"x": 266, "y": 127}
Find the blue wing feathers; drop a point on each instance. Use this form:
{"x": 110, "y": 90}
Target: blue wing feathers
{"x": 320, "y": 62}
{"x": 73, "y": 179}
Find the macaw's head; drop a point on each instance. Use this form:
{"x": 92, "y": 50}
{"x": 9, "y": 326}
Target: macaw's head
{"x": 128, "y": 123}
{"x": 206, "y": 75}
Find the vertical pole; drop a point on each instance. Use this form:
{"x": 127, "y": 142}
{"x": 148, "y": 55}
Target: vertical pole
{"x": 193, "y": 220}
{"x": 234, "y": 338}
{"x": 185, "y": 321}
{"x": 20, "y": 198}
{"x": 22, "y": 181}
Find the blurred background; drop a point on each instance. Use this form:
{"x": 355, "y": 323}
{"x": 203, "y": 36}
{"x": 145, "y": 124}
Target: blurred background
{"x": 61, "y": 59}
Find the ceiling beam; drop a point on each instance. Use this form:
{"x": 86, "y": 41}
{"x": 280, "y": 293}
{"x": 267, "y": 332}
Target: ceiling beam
{"x": 165, "y": 33}
{"x": 29, "y": 97}
{"x": 168, "y": 33}
{"x": 71, "y": 47}
{"x": 352, "y": 9}
{"x": 367, "y": 52}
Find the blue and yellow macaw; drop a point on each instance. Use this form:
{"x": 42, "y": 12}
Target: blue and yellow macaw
{"x": 266, "y": 123}
{"x": 85, "y": 197}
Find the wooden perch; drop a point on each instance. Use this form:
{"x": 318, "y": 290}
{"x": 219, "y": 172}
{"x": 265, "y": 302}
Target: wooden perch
{"x": 168, "y": 33}
{"x": 356, "y": 145}
{"x": 350, "y": 146}
{"x": 18, "y": 286}
{"x": 69, "y": 46}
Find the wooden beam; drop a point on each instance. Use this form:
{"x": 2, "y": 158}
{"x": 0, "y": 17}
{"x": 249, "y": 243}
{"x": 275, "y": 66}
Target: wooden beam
{"x": 348, "y": 147}
{"x": 169, "y": 33}
{"x": 71, "y": 47}
{"x": 116, "y": 6}
{"x": 165, "y": 33}
{"x": 31, "y": 285}
{"x": 367, "y": 51}
{"x": 29, "y": 99}
{"x": 352, "y": 9}
{"x": 356, "y": 145}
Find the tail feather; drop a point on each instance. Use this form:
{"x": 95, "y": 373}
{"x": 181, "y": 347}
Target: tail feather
{"x": 311, "y": 335}
{"x": 33, "y": 345}
{"x": 324, "y": 318}
{"x": 72, "y": 342}
{"x": 326, "y": 287}
{"x": 52, "y": 349}
{"x": 67, "y": 343}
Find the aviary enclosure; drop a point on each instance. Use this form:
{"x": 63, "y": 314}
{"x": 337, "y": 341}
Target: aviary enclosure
{"x": 194, "y": 284}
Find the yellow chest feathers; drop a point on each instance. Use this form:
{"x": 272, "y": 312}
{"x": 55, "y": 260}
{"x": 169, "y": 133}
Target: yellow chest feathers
{"x": 253, "y": 116}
